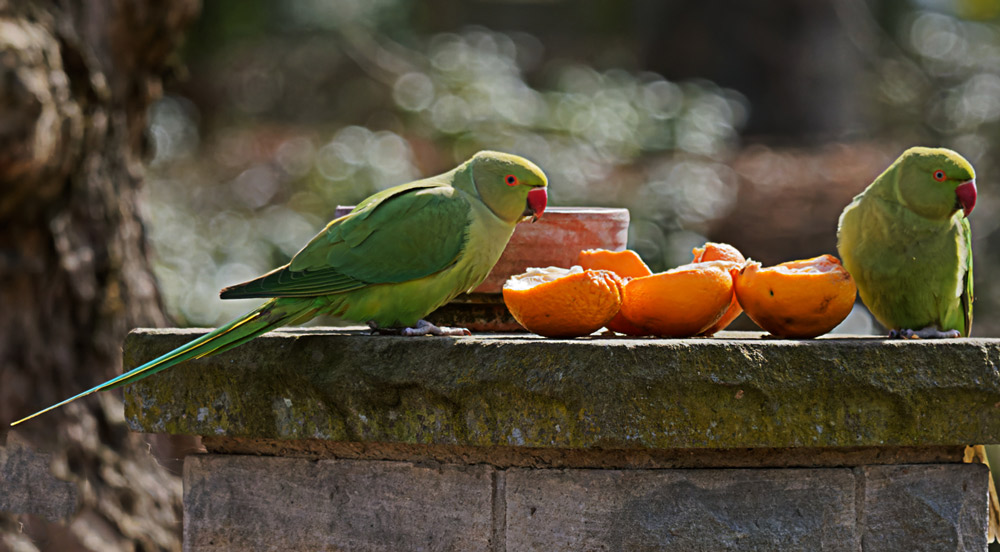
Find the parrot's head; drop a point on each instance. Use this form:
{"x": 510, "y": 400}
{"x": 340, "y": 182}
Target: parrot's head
{"x": 936, "y": 182}
{"x": 511, "y": 186}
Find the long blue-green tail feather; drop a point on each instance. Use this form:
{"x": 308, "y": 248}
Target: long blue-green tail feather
{"x": 270, "y": 315}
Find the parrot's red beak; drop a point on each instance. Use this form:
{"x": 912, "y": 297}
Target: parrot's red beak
{"x": 965, "y": 196}
{"x": 537, "y": 199}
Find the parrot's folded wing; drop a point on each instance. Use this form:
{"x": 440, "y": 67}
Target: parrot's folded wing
{"x": 282, "y": 282}
{"x": 416, "y": 231}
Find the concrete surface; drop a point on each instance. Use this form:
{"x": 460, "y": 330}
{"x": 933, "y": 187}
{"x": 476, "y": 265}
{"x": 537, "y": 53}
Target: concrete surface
{"x": 492, "y": 390}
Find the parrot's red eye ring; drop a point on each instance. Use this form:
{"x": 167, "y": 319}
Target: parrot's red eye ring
{"x": 511, "y": 180}
{"x": 940, "y": 176}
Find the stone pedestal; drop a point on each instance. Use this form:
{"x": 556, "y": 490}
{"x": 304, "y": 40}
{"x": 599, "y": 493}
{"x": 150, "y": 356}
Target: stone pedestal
{"x": 325, "y": 439}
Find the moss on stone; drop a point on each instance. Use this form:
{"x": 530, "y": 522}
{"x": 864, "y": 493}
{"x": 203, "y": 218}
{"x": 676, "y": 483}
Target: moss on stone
{"x": 731, "y": 392}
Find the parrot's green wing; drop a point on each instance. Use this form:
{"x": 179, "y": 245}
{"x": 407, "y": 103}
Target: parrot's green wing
{"x": 401, "y": 234}
{"x": 967, "y": 295}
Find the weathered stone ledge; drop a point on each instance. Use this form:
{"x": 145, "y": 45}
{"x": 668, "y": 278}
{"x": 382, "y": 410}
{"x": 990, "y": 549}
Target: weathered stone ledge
{"x": 558, "y": 458}
{"x": 730, "y": 392}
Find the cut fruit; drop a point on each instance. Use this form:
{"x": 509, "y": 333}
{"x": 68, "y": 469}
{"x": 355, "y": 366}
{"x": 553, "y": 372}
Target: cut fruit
{"x": 560, "y": 302}
{"x": 798, "y": 299}
{"x": 626, "y": 264}
{"x": 621, "y": 325}
{"x": 681, "y": 302}
{"x": 712, "y": 251}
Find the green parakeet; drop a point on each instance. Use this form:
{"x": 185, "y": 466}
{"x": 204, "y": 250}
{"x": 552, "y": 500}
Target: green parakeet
{"x": 906, "y": 242}
{"x": 396, "y": 257}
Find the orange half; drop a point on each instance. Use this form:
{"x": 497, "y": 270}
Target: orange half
{"x": 626, "y": 264}
{"x": 712, "y": 251}
{"x": 798, "y": 299}
{"x": 561, "y": 302}
{"x": 681, "y": 302}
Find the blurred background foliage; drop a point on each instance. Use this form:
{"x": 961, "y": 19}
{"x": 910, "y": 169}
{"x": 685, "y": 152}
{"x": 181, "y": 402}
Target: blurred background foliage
{"x": 746, "y": 122}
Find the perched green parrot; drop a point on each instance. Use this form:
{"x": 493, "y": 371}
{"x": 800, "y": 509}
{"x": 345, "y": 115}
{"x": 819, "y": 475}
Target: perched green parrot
{"x": 396, "y": 257}
{"x": 906, "y": 242}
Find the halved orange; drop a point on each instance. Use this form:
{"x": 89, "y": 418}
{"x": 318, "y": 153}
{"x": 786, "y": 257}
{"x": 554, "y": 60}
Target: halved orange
{"x": 712, "y": 251}
{"x": 626, "y": 264}
{"x": 798, "y": 299}
{"x": 561, "y": 302}
{"x": 681, "y": 302}
{"x": 621, "y": 325}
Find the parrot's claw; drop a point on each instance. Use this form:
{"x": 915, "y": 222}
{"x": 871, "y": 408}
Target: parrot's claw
{"x": 930, "y": 332}
{"x": 423, "y": 327}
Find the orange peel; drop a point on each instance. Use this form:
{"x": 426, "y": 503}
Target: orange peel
{"x": 681, "y": 302}
{"x": 560, "y": 302}
{"x": 712, "y": 251}
{"x": 797, "y": 299}
{"x": 627, "y": 264}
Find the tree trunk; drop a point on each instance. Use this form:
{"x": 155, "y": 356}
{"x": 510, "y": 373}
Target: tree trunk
{"x": 76, "y": 79}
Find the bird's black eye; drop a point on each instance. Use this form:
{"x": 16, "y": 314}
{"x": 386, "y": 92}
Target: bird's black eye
{"x": 940, "y": 176}
{"x": 511, "y": 180}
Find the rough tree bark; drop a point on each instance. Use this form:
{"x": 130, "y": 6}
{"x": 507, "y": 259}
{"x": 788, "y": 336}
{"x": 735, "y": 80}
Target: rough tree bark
{"x": 76, "y": 79}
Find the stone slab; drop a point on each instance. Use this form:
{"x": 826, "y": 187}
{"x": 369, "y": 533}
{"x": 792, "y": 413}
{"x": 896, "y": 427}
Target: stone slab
{"x": 535, "y": 457}
{"x": 235, "y": 502}
{"x": 681, "y": 510}
{"x": 901, "y": 508}
{"x": 924, "y": 507}
{"x": 27, "y": 485}
{"x": 267, "y": 503}
{"x": 733, "y": 391}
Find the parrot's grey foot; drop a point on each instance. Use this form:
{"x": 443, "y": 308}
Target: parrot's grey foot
{"x": 930, "y": 332}
{"x": 424, "y": 327}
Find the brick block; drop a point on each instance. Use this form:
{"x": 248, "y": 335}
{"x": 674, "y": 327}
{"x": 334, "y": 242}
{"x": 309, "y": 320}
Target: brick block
{"x": 936, "y": 508}
{"x": 681, "y": 510}
{"x": 27, "y": 485}
{"x": 267, "y": 503}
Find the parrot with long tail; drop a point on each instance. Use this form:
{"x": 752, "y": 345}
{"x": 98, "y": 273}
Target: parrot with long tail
{"x": 395, "y": 258}
{"x": 907, "y": 243}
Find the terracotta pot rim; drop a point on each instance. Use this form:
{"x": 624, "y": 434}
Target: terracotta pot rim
{"x": 549, "y": 210}
{"x": 574, "y": 210}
